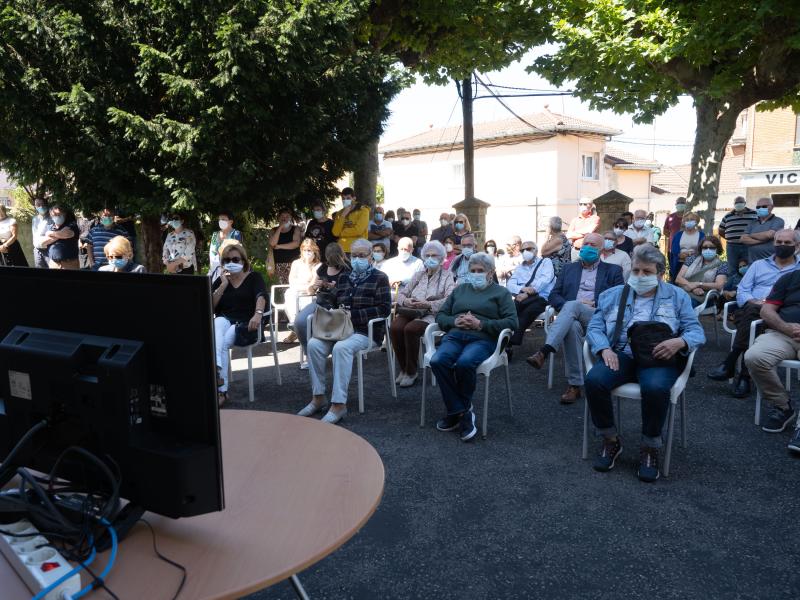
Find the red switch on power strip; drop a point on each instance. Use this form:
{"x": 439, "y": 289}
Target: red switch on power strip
{"x": 49, "y": 566}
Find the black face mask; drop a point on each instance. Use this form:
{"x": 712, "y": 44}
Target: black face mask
{"x": 784, "y": 251}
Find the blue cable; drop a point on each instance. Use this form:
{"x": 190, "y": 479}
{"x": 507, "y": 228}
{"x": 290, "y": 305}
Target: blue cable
{"x": 112, "y": 532}
{"x": 43, "y": 592}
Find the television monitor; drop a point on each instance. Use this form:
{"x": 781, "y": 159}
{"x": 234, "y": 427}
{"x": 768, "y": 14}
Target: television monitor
{"x": 121, "y": 365}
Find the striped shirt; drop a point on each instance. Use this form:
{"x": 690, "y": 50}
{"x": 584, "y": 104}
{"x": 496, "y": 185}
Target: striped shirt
{"x": 735, "y": 224}
{"x": 98, "y": 237}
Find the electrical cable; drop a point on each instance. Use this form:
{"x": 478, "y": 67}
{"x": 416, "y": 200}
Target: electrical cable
{"x": 17, "y": 447}
{"x": 165, "y": 559}
{"x": 504, "y": 105}
{"x": 100, "y": 581}
{"x": 44, "y": 591}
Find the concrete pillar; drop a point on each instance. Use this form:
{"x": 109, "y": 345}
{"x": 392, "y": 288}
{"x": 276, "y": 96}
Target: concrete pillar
{"x": 476, "y": 213}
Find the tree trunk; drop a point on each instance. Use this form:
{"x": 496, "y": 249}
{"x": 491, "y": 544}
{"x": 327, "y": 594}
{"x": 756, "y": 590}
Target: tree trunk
{"x": 716, "y": 122}
{"x": 365, "y": 175}
{"x": 151, "y": 244}
{"x": 469, "y": 146}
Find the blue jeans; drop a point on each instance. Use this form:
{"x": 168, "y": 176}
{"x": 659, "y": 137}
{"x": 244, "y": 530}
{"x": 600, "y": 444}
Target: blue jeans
{"x": 301, "y": 323}
{"x": 655, "y": 382}
{"x": 455, "y": 364}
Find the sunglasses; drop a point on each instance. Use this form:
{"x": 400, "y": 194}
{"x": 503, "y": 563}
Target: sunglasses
{"x": 233, "y": 259}
{"x": 762, "y": 206}
{"x": 116, "y": 257}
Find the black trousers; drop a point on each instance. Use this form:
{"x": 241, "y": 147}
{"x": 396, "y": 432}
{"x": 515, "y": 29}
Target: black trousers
{"x": 744, "y": 317}
{"x": 527, "y": 311}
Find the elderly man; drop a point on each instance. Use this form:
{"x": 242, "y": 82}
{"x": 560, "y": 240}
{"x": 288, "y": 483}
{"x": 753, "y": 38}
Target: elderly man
{"x": 639, "y": 232}
{"x": 444, "y": 230}
{"x": 460, "y": 265}
{"x": 586, "y": 222}
{"x": 759, "y": 235}
{"x": 100, "y": 235}
{"x": 575, "y": 296}
{"x": 530, "y": 284}
{"x": 732, "y": 227}
{"x": 750, "y": 296}
{"x": 402, "y": 267}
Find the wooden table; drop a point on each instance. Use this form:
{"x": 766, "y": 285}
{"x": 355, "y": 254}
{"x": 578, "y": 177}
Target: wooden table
{"x": 296, "y": 489}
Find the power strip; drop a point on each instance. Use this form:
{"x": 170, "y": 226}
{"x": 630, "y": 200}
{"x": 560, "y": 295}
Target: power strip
{"x": 37, "y": 564}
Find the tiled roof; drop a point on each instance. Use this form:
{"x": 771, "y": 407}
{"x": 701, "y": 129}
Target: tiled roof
{"x": 675, "y": 179}
{"x": 617, "y": 157}
{"x": 543, "y": 124}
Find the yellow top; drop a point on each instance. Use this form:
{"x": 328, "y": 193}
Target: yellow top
{"x": 352, "y": 227}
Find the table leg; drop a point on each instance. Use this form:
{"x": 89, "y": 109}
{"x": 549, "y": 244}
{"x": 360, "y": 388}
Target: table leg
{"x": 298, "y": 588}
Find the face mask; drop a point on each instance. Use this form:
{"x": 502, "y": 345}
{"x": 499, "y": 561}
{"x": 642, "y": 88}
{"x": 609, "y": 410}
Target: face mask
{"x": 459, "y": 226}
{"x": 164, "y": 220}
{"x": 783, "y": 251}
{"x": 346, "y": 202}
{"x": 690, "y": 224}
{"x": 404, "y": 255}
{"x": 528, "y": 255}
{"x": 318, "y": 214}
{"x": 120, "y": 263}
{"x": 444, "y": 222}
{"x": 709, "y": 253}
{"x": 224, "y": 224}
{"x": 648, "y": 223}
{"x": 743, "y": 270}
{"x": 390, "y": 220}
{"x": 175, "y": 224}
{"x": 585, "y": 210}
{"x": 609, "y": 244}
{"x": 643, "y": 284}
{"x": 638, "y": 223}
{"x": 589, "y": 254}
{"x": 232, "y": 267}
{"x": 405, "y": 222}
{"x": 106, "y": 221}
{"x": 59, "y": 220}
{"x": 431, "y": 262}
{"x": 491, "y": 250}
{"x": 378, "y": 217}
{"x": 41, "y": 210}
{"x": 739, "y": 206}
{"x": 476, "y": 280}
{"x": 286, "y": 226}
{"x": 416, "y": 217}
{"x": 309, "y": 254}
{"x": 680, "y": 208}
{"x": 762, "y": 212}
{"x": 619, "y": 231}
{"x": 377, "y": 256}
{"x": 467, "y": 251}
{"x": 359, "y": 264}
{"x": 448, "y": 247}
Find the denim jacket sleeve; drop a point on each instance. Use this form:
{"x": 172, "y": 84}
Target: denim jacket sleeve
{"x": 596, "y": 332}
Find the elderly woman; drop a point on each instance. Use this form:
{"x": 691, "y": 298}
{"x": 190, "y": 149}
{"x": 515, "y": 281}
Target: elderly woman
{"x": 648, "y": 298}
{"x": 417, "y": 305}
{"x": 366, "y": 294}
{"x": 11, "y": 254}
{"x": 557, "y": 247}
{"x": 238, "y": 297}
{"x": 119, "y": 253}
{"x": 473, "y": 316}
{"x": 684, "y": 243}
{"x": 302, "y": 276}
{"x": 704, "y": 271}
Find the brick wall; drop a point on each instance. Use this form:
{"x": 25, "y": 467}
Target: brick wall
{"x": 772, "y": 137}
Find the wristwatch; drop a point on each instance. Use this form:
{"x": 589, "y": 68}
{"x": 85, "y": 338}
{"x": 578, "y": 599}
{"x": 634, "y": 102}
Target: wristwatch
{"x": 259, "y": 312}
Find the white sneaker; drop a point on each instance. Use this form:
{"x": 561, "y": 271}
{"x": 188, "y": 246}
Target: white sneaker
{"x": 408, "y": 381}
{"x": 304, "y": 365}
{"x": 311, "y": 409}
{"x": 333, "y": 417}
{"x": 400, "y": 377}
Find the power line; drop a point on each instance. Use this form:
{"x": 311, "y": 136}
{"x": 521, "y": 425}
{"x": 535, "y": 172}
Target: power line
{"x": 445, "y": 126}
{"x": 504, "y": 105}
{"x": 616, "y": 141}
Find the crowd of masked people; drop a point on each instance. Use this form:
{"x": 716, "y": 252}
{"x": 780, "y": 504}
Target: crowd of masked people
{"x": 598, "y": 283}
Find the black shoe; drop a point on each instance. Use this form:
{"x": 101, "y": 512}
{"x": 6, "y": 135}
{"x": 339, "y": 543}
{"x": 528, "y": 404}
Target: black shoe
{"x": 741, "y": 387}
{"x": 794, "y": 443}
{"x": 448, "y": 423}
{"x": 648, "y": 465}
{"x": 777, "y": 419}
{"x": 468, "y": 429}
{"x": 721, "y": 372}
{"x": 609, "y": 452}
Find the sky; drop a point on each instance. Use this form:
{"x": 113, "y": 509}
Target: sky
{"x": 420, "y": 107}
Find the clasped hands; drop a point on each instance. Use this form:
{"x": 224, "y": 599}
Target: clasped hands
{"x": 468, "y": 321}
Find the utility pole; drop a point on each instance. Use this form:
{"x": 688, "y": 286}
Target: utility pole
{"x": 469, "y": 148}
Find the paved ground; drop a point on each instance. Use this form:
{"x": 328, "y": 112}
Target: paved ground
{"x": 520, "y": 515}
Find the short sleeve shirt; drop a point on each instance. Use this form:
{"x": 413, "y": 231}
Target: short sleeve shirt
{"x": 785, "y": 295}
{"x": 239, "y": 304}
{"x": 382, "y": 226}
{"x": 765, "y": 249}
{"x": 321, "y": 233}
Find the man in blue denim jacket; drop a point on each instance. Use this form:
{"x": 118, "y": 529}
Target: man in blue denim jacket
{"x": 649, "y": 299}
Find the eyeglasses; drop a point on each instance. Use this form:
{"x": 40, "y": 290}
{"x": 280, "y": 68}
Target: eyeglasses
{"x": 460, "y": 222}
{"x": 762, "y": 205}
{"x": 116, "y": 257}
{"x": 528, "y": 248}
{"x": 233, "y": 259}
{"x": 709, "y": 248}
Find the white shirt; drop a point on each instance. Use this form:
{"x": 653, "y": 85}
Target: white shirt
{"x": 645, "y": 233}
{"x": 543, "y": 283}
{"x": 397, "y": 269}
{"x": 40, "y": 226}
{"x": 5, "y": 228}
{"x": 620, "y": 258}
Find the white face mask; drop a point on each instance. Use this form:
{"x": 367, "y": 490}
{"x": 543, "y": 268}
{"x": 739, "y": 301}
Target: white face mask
{"x": 232, "y": 267}
{"x": 346, "y": 202}
{"x": 224, "y": 224}
{"x": 404, "y": 255}
{"x": 448, "y": 247}
{"x": 638, "y": 223}
{"x": 618, "y": 231}
{"x": 528, "y": 255}
{"x": 740, "y": 206}
{"x": 308, "y": 254}
{"x": 444, "y": 222}
{"x": 642, "y": 284}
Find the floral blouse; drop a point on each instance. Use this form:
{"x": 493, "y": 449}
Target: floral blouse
{"x": 561, "y": 256}
{"x": 183, "y": 245}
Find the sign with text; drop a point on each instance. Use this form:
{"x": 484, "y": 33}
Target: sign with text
{"x": 776, "y": 178}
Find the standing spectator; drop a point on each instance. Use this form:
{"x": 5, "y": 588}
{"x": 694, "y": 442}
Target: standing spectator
{"x": 450, "y": 248}
{"x": 320, "y": 227}
{"x": 460, "y": 266}
{"x": 557, "y": 247}
{"x": 41, "y": 224}
{"x": 62, "y": 239}
{"x": 586, "y": 222}
{"x": 127, "y": 222}
{"x": 390, "y": 217}
{"x": 417, "y": 306}
{"x": 302, "y": 276}
{"x": 703, "y": 272}
{"x": 402, "y": 267}
{"x": 685, "y": 243}
{"x": 673, "y": 224}
{"x": 380, "y": 230}
{"x": 352, "y": 222}
{"x": 406, "y": 228}
{"x": 732, "y": 227}
{"x": 226, "y": 231}
{"x": 444, "y": 230}
{"x": 759, "y": 235}
{"x": 651, "y": 222}
{"x": 284, "y": 243}
{"x": 119, "y": 254}
{"x": 179, "y": 253}
{"x": 11, "y": 254}
{"x": 530, "y": 285}
{"x": 638, "y": 231}
{"x": 624, "y": 242}
{"x": 628, "y": 217}
{"x": 85, "y": 226}
{"x": 422, "y": 232}
{"x": 99, "y": 236}
{"x": 461, "y": 227}
{"x": 612, "y": 255}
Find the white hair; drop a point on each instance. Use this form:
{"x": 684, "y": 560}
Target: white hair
{"x": 361, "y": 243}
{"x": 483, "y": 259}
{"x": 436, "y": 247}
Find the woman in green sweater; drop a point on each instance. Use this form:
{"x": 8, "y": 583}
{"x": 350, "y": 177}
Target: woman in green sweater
{"x": 473, "y": 317}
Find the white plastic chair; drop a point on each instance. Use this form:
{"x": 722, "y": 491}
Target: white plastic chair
{"x": 277, "y": 306}
{"x": 726, "y": 308}
{"x": 632, "y": 391}
{"x": 497, "y": 359}
{"x": 266, "y": 319}
{"x": 363, "y": 354}
{"x": 789, "y": 365}
{"x": 709, "y": 307}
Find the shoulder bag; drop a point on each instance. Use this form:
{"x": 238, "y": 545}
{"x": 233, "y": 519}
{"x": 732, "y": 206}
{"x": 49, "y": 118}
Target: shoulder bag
{"x": 331, "y": 324}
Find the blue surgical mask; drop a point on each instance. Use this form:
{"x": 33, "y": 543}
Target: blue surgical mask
{"x": 106, "y": 221}
{"x": 690, "y": 224}
{"x": 709, "y": 253}
{"x": 416, "y": 217}
{"x": 232, "y": 267}
{"x": 59, "y": 220}
{"x": 377, "y": 256}
{"x": 680, "y": 208}
{"x": 359, "y": 264}
{"x": 459, "y": 226}
{"x": 120, "y": 263}
{"x": 467, "y": 251}
{"x": 589, "y": 254}
{"x": 642, "y": 284}
{"x": 175, "y": 223}
{"x": 743, "y": 270}
{"x": 762, "y": 212}
{"x": 609, "y": 244}
{"x": 41, "y": 210}
{"x": 431, "y": 262}
{"x": 476, "y": 280}
{"x": 378, "y": 217}
{"x": 639, "y": 223}
{"x": 318, "y": 214}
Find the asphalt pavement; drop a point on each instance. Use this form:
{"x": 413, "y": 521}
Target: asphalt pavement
{"x": 520, "y": 515}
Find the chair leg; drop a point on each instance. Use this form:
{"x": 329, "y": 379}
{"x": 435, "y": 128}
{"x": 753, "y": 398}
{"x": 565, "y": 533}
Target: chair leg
{"x": 275, "y": 354}
{"x": 390, "y": 358}
{"x": 422, "y": 400}
{"x": 619, "y": 415}
{"x": 684, "y": 437}
{"x": 230, "y": 367}
{"x": 250, "y": 373}
{"x": 486, "y": 405}
{"x": 670, "y": 435}
{"x": 757, "y": 418}
{"x": 550, "y": 360}
{"x": 585, "y": 448}
{"x": 788, "y": 379}
{"x": 360, "y": 363}
{"x": 716, "y": 328}
{"x": 508, "y": 392}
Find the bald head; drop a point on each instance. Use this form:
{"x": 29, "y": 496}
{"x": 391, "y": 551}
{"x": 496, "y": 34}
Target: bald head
{"x": 593, "y": 239}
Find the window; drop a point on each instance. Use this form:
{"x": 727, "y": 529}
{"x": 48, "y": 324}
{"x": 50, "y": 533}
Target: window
{"x": 591, "y": 166}
{"x": 786, "y": 200}
{"x": 458, "y": 174}
{"x": 797, "y": 131}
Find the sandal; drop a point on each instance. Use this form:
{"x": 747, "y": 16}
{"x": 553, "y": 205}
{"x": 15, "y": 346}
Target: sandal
{"x": 222, "y": 398}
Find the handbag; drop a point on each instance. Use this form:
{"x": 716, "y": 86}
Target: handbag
{"x": 243, "y": 335}
{"x": 644, "y": 336}
{"x": 331, "y": 325}
{"x": 409, "y": 313}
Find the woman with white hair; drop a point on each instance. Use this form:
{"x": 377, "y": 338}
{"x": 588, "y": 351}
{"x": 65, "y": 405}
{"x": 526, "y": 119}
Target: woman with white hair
{"x": 473, "y": 316}
{"x": 367, "y": 295}
{"x": 557, "y": 247}
{"x": 417, "y": 305}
